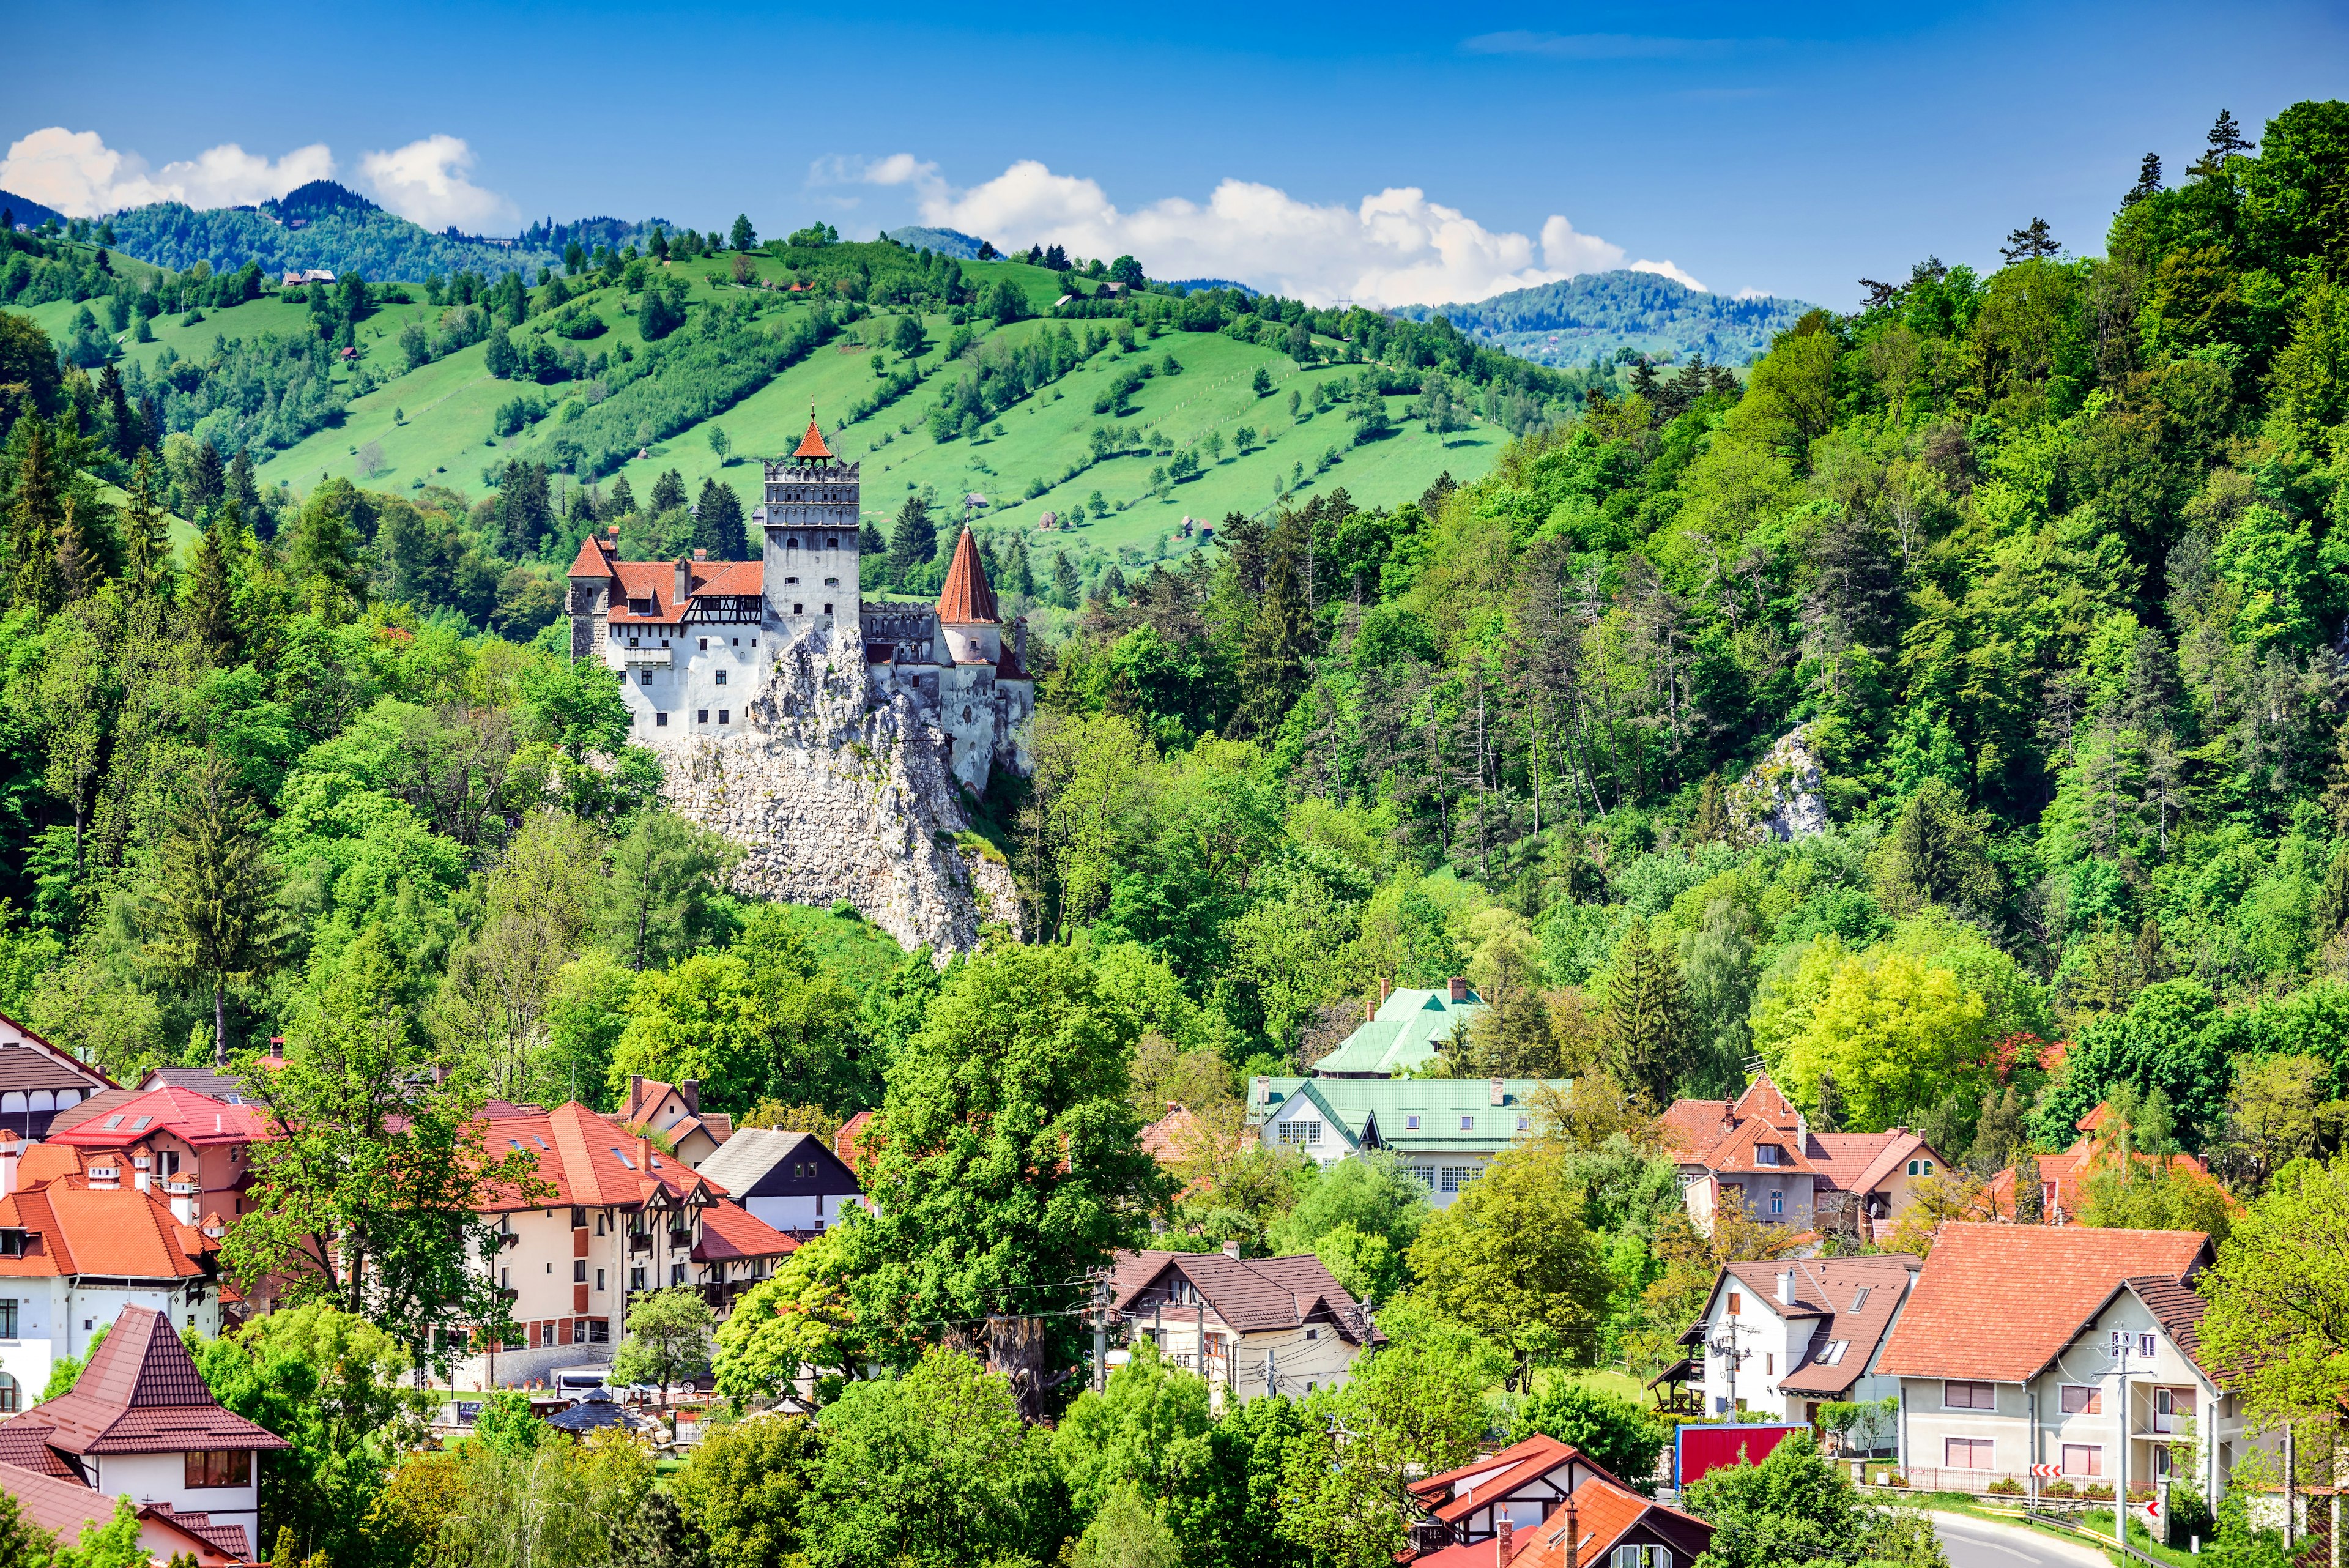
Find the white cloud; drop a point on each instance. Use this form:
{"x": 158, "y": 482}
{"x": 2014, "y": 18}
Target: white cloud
{"x": 1750, "y": 292}
{"x": 76, "y": 173}
{"x": 425, "y": 182}
{"x": 1396, "y": 247}
{"x": 1667, "y": 269}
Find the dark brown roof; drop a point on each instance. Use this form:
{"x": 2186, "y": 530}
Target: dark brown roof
{"x": 2000, "y": 1302}
{"x": 1847, "y": 1300}
{"x": 97, "y": 1104}
{"x": 141, "y": 1394}
{"x": 25, "y": 1445}
{"x": 1249, "y": 1294}
{"x": 24, "y": 1068}
{"x": 967, "y": 599}
{"x": 2179, "y": 1308}
{"x": 65, "y": 1508}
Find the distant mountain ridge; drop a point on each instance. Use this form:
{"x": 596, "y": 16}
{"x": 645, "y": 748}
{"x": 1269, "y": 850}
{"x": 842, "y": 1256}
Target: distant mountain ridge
{"x": 1598, "y": 314}
{"x": 946, "y": 241}
{"x": 29, "y": 213}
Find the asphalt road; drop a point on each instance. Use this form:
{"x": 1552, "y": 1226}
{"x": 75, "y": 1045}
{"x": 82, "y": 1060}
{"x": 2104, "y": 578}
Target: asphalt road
{"x": 1976, "y": 1543}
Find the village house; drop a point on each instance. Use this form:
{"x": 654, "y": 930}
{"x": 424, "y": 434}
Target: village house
{"x": 1515, "y": 1507}
{"x": 622, "y": 1217}
{"x": 792, "y": 1180}
{"x": 1781, "y": 1337}
{"x": 2063, "y": 1177}
{"x": 2025, "y": 1345}
{"x": 1445, "y": 1130}
{"x": 1247, "y": 1325}
{"x": 1759, "y": 1151}
{"x": 83, "y": 1241}
{"x": 183, "y": 1135}
{"x": 37, "y": 1081}
{"x": 139, "y": 1423}
{"x": 1403, "y": 1034}
{"x": 67, "y": 1509}
{"x": 674, "y": 1111}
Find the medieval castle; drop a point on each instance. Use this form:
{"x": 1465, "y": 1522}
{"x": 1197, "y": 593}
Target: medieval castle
{"x": 698, "y": 643}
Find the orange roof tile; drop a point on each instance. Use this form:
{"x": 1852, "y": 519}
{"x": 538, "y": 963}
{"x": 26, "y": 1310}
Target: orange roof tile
{"x": 967, "y": 599}
{"x": 2000, "y": 1302}
{"x": 812, "y": 444}
{"x": 194, "y": 1119}
{"x": 730, "y": 1231}
{"x": 594, "y": 558}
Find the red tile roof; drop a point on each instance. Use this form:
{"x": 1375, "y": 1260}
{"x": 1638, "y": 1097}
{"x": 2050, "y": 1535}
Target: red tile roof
{"x": 730, "y": 1233}
{"x": 590, "y": 1162}
{"x": 848, "y": 1143}
{"x": 118, "y": 1233}
{"x": 812, "y": 444}
{"x": 141, "y": 1394}
{"x": 1495, "y": 1475}
{"x": 655, "y": 581}
{"x": 65, "y": 1508}
{"x": 194, "y": 1119}
{"x": 1998, "y": 1302}
{"x": 1603, "y": 1515}
{"x": 594, "y": 558}
{"x": 967, "y": 599}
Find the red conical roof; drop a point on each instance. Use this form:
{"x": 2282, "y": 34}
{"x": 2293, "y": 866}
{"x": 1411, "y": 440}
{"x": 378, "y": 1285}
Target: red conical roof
{"x": 967, "y": 599}
{"x": 812, "y": 444}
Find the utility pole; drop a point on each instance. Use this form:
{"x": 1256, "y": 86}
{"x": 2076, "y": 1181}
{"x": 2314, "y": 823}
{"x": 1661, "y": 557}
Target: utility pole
{"x": 2120, "y": 1478}
{"x": 1100, "y": 1335}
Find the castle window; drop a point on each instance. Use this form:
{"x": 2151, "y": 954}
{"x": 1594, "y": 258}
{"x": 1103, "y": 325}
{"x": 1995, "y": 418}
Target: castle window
{"x": 798, "y": 610}
{"x": 735, "y": 642}
{"x": 832, "y": 582}
{"x": 725, "y": 716}
{"x": 827, "y": 610}
{"x": 701, "y": 715}
{"x": 790, "y": 582}
{"x": 705, "y": 645}
{"x": 644, "y": 677}
{"x": 721, "y": 678}
{"x": 793, "y": 542}
{"x": 660, "y": 721}
{"x": 831, "y": 542}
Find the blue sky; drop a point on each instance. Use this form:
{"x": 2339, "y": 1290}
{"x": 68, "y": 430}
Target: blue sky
{"x": 1787, "y": 149}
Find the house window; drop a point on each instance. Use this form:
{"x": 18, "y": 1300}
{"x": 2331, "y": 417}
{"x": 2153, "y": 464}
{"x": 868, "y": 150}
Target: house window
{"x": 1769, "y": 1364}
{"x": 726, "y": 715}
{"x": 1921, "y": 1168}
{"x": 11, "y": 1395}
{"x": 1833, "y": 1352}
{"x": 218, "y": 1467}
{"x": 1736, "y": 1303}
{"x": 1525, "y": 1123}
{"x": 676, "y": 1273}
{"x": 701, "y": 715}
{"x": 1640, "y": 1557}
{"x": 7, "y": 1319}
{"x": 1411, "y": 1123}
{"x": 721, "y": 678}
{"x": 2080, "y": 1401}
{"x": 1312, "y": 1333}
{"x": 1956, "y": 1396}
{"x": 1467, "y": 1123}
{"x": 637, "y": 1278}
{"x": 1456, "y": 1177}
{"x": 598, "y": 1331}
{"x": 599, "y": 1224}
{"x": 1777, "y": 1202}
{"x": 1966, "y": 1453}
{"x": 2084, "y": 1460}
{"x": 1300, "y": 1132}
{"x": 1766, "y": 1154}
{"x": 599, "y": 1279}
{"x": 579, "y": 1271}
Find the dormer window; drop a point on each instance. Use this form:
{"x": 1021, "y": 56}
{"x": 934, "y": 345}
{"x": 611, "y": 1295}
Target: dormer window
{"x": 1767, "y": 1154}
{"x": 1921, "y": 1168}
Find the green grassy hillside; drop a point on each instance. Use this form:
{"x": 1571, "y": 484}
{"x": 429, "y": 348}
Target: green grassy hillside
{"x": 435, "y": 424}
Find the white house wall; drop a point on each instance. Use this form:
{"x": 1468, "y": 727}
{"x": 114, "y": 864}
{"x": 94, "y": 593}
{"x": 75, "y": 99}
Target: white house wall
{"x": 162, "y": 1478}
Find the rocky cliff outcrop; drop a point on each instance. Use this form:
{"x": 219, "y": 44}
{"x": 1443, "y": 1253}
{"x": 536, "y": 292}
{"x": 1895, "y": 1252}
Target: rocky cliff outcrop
{"x": 1780, "y": 797}
{"x": 835, "y": 796}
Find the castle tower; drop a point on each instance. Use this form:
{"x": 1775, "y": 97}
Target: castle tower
{"x": 967, "y": 612}
{"x": 810, "y": 518}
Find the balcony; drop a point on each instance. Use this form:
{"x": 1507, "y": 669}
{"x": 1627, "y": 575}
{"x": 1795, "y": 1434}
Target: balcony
{"x": 640, "y": 1242}
{"x": 681, "y": 1239}
{"x": 633, "y": 657}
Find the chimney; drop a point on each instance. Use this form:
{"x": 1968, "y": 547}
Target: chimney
{"x": 105, "y": 1174}
{"x": 684, "y": 580}
{"x": 183, "y": 1192}
{"x": 10, "y": 1150}
{"x": 1785, "y": 1287}
{"x": 700, "y": 554}
{"x": 690, "y": 1091}
{"x": 142, "y": 1164}
{"x": 277, "y": 1047}
{"x": 1500, "y": 1096}
{"x": 1260, "y": 1091}
{"x": 1508, "y": 1538}
{"x": 636, "y": 1092}
{"x": 613, "y": 532}
{"x": 1573, "y": 1535}
{"x": 1459, "y": 988}
{"x": 1386, "y": 989}
{"x": 1231, "y": 1249}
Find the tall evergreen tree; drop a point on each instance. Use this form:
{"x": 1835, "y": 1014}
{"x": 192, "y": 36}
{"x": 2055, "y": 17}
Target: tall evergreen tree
{"x": 33, "y": 519}
{"x": 146, "y": 532}
{"x": 122, "y": 421}
{"x": 717, "y": 523}
{"x": 79, "y": 570}
{"x": 2032, "y": 242}
{"x": 913, "y": 540}
{"x": 1829, "y": 1116}
{"x": 869, "y": 542}
{"x": 210, "y": 606}
{"x": 208, "y": 480}
{"x": 1018, "y": 576}
{"x": 743, "y": 237}
{"x": 2148, "y": 181}
{"x": 213, "y": 909}
{"x": 668, "y": 491}
{"x": 1710, "y": 824}
{"x": 619, "y": 501}
{"x": 1646, "y": 1024}
{"x": 243, "y": 489}
{"x": 1274, "y": 649}
{"x": 1065, "y": 586}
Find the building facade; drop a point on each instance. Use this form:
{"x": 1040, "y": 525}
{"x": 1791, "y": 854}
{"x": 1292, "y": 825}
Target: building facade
{"x": 1247, "y": 1325}
{"x": 1783, "y": 1336}
{"x": 694, "y": 639}
{"x": 1445, "y": 1130}
{"x": 1758, "y": 1152}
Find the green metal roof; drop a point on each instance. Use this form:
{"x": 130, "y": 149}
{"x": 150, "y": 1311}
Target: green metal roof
{"x": 1404, "y": 1034}
{"x": 1363, "y": 1110}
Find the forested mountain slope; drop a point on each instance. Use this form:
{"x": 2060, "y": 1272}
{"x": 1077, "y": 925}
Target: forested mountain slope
{"x": 1603, "y": 316}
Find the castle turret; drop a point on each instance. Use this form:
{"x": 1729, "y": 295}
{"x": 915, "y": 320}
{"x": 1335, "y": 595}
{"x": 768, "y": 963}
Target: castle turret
{"x": 809, "y": 517}
{"x": 966, "y": 613}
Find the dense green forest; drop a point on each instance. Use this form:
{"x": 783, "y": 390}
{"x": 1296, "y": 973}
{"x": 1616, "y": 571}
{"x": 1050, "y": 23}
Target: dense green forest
{"x": 1620, "y": 315}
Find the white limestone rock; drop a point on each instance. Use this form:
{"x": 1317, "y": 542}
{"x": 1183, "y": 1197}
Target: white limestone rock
{"x": 1780, "y": 797}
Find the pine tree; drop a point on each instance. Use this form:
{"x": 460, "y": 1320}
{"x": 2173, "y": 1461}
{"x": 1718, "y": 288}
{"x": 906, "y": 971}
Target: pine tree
{"x": 1646, "y": 1023}
{"x": 620, "y": 501}
{"x": 211, "y": 605}
{"x": 743, "y": 237}
{"x": 241, "y": 487}
{"x": 123, "y": 422}
{"x": 2030, "y": 1198}
{"x": 717, "y": 523}
{"x": 2333, "y": 898}
{"x": 2148, "y": 181}
{"x": 914, "y": 541}
{"x": 1273, "y": 649}
{"x": 2225, "y": 140}
{"x": 77, "y": 569}
{"x": 1065, "y": 586}
{"x": 869, "y": 542}
{"x": 146, "y": 533}
{"x": 33, "y": 519}
{"x": 208, "y": 481}
{"x": 1710, "y": 824}
{"x": 213, "y": 909}
{"x": 1020, "y": 577}
{"x": 2034, "y": 242}
{"x": 668, "y": 491}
